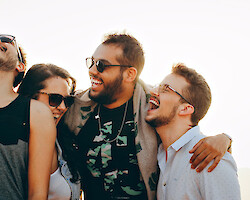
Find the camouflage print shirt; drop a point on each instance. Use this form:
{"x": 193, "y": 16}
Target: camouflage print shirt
{"x": 111, "y": 168}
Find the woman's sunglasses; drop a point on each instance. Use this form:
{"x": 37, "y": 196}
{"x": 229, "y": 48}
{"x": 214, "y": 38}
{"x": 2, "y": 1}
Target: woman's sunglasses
{"x": 11, "y": 40}
{"x": 100, "y": 66}
{"x": 56, "y": 99}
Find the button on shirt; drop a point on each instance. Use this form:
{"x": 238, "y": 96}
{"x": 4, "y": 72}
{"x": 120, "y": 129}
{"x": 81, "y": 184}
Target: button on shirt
{"x": 178, "y": 181}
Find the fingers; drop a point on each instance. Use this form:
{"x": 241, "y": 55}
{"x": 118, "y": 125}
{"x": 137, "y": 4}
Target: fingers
{"x": 215, "y": 163}
{"x": 200, "y": 148}
{"x": 200, "y": 159}
{"x": 205, "y": 162}
{"x": 206, "y": 150}
{"x": 196, "y": 146}
{"x": 203, "y": 159}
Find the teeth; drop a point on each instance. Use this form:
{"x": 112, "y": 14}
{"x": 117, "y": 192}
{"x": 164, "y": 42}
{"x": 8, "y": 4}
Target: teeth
{"x": 154, "y": 103}
{"x": 95, "y": 81}
{"x": 56, "y": 116}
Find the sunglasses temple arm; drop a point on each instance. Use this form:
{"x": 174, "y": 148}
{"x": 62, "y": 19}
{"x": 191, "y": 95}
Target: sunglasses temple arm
{"x": 19, "y": 53}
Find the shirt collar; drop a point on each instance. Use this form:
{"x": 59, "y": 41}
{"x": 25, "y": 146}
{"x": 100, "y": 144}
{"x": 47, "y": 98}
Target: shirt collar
{"x": 183, "y": 140}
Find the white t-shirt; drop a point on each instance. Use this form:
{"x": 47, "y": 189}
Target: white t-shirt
{"x": 58, "y": 187}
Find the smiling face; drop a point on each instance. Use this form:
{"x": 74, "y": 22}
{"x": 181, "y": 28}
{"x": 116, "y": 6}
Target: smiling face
{"x": 164, "y": 103}
{"x": 107, "y": 86}
{"x": 56, "y": 85}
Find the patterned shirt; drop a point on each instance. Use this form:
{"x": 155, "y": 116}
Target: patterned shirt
{"x": 178, "y": 181}
{"x": 108, "y": 157}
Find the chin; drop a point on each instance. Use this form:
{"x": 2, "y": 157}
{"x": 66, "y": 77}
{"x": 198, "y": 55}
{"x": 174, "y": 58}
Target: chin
{"x": 151, "y": 122}
{"x": 92, "y": 94}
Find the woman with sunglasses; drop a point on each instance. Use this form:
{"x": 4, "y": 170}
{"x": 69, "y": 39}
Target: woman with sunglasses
{"x": 53, "y": 86}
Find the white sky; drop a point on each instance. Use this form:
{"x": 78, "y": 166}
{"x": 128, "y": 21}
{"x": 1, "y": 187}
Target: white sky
{"x": 212, "y": 37}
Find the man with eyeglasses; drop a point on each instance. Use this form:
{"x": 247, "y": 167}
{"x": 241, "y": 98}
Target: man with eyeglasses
{"x": 176, "y": 107}
{"x": 117, "y": 149}
{"x": 27, "y": 132}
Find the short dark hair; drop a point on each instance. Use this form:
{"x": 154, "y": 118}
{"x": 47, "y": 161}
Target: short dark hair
{"x": 133, "y": 53}
{"x": 34, "y": 79}
{"x": 198, "y": 92}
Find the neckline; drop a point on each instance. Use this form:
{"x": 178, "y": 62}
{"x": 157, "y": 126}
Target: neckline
{"x": 11, "y": 103}
{"x": 117, "y": 109}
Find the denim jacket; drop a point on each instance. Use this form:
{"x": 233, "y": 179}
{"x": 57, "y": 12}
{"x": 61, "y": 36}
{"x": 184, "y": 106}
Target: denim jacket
{"x": 74, "y": 187}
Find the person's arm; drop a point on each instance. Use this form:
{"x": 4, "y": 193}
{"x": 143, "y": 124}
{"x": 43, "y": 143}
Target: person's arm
{"x": 41, "y": 146}
{"x": 207, "y": 149}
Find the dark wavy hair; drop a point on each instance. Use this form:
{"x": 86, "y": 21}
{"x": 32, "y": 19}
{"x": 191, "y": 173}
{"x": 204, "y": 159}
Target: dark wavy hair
{"x": 35, "y": 78}
{"x": 33, "y": 82}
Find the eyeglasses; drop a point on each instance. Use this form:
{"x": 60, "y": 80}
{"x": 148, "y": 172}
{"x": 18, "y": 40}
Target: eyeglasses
{"x": 11, "y": 40}
{"x": 100, "y": 65}
{"x": 56, "y": 99}
{"x": 164, "y": 87}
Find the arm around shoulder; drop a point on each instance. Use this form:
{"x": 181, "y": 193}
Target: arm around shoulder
{"x": 41, "y": 146}
{"x": 207, "y": 149}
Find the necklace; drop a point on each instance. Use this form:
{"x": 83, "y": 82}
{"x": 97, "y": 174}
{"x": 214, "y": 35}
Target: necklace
{"x": 119, "y": 131}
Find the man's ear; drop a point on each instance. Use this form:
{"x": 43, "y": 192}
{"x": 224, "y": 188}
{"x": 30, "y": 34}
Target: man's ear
{"x": 186, "y": 109}
{"x": 20, "y": 67}
{"x": 130, "y": 74}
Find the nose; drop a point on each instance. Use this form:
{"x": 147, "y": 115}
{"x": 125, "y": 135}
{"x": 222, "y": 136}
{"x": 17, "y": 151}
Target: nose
{"x": 61, "y": 106}
{"x": 155, "y": 91}
{"x": 93, "y": 70}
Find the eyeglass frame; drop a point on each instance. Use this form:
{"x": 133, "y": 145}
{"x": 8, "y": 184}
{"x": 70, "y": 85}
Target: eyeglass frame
{"x": 101, "y": 69}
{"x": 62, "y": 98}
{"x": 13, "y": 39}
{"x": 167, "y": 86}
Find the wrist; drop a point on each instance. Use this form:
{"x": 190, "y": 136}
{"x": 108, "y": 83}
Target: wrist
{"x": 230, "y": 141}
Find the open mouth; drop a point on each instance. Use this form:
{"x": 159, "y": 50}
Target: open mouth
{"x": 154, "y": 103}
{"x": 95, "y": 81}
{"x": 56, "y": 116}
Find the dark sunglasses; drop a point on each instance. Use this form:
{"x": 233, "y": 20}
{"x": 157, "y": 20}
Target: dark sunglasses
{"x": 56, "y": 99}
{"x": 100, "y": 66}
{"x": 11, "y": 40}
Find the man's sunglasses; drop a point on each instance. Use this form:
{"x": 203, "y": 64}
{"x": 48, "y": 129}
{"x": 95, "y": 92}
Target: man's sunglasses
{"x": 56, "y": 99}
{"x": 11, "y": 40}
{"x": 100, "y": 66}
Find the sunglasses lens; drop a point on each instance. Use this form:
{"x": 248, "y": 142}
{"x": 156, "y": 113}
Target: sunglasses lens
{"x": 7, "y": 39}
{"x": 55, "y": 99}
{"x": 100, "y": 66}
{"x": 89, "y": 62}
{"x": 69, "y": 100}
